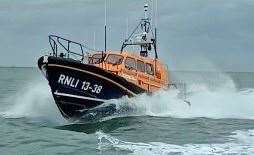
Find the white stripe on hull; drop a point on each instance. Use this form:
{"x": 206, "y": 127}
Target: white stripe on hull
{"x": 79, "y": 97}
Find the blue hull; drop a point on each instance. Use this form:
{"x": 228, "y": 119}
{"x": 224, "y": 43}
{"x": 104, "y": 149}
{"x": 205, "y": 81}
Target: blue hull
{"x": 78, "y": 87}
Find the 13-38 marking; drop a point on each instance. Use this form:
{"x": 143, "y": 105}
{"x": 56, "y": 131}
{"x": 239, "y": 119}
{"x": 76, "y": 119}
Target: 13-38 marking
{"x": 94, "y": 88}
{"x": 75, "y": 83}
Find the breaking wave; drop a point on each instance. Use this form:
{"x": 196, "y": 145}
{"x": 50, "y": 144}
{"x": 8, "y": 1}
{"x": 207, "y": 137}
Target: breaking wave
{"x": 241, "y": 143}
{"x": 203, "y": 103}
{"x": 219, "y": 100}
{"x": 34, "y": 101}
{"x": 222, "y": 100}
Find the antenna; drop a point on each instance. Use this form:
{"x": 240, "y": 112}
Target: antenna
{"x": 94, "y": 39}
{"x": 155, "y": 47}
{"x": 155, "y": 29}
{"x": 145, "y": 9}
{"x": 127, "y": 28}
{"x": 105, "y": 27}
{"x": 156, "y": 13}
{"x": 152, "y": 18}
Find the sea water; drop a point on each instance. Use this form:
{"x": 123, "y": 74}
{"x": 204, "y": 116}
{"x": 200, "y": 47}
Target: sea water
{"x": 218, "y": 120}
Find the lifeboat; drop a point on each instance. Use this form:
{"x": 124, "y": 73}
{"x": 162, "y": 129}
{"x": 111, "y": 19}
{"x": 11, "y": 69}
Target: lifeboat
{"x": 81, "y": 78}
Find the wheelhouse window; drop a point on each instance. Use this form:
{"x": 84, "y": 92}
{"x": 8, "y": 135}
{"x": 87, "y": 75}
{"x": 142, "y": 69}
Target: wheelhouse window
{"x": 141, "y": 66}
{"x": 114, "y": 59}
{"x": 96, "y": 58}
{"x": 149, "y": 69}
{"x": 130, "y": 63}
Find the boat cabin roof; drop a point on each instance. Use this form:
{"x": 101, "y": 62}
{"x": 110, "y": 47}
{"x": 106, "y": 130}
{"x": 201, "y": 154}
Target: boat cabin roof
{"x": 127, "y": 54}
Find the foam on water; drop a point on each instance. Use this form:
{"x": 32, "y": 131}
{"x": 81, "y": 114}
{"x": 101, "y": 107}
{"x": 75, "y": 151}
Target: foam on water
{"x": 34, "y": 101}
{"x": 220, "y": 101}
{"x": 242, "y": 143}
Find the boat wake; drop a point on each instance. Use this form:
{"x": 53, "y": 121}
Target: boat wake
{"x": 217, "y": 104}
{"x": 218, "y": 100}
{"x": 241, "y": 142}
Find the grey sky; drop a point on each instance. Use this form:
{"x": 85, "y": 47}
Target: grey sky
{"x": 193, "y": 34}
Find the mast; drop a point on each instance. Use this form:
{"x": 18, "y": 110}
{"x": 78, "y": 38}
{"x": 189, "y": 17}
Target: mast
{"x": 105, "y": 38}
{"x": 127, "y": 28}
{"x": 155, "y": 44}
{"x": 155, "y": 29}
{"x": 146, "y": 9}
{"x": 94, "y": 40}
{"x": 143, "y": 36}
{"x": 105, "y": 27}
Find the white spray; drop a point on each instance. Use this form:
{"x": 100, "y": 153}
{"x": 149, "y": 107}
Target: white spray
{"x": 34, "y": 101}
{"x": 222, "y": 100}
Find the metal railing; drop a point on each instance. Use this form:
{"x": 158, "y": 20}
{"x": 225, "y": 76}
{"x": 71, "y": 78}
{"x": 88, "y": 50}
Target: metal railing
{"x": 57, "y": 42}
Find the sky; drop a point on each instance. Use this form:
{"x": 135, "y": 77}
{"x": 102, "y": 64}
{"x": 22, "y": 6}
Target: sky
{"x": 199, "y": 35}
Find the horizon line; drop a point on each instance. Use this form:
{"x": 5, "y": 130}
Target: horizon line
{"x": 175, "y": 70}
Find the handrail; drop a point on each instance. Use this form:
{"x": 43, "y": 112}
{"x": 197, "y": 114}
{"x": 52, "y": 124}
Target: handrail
{"x": 55, "y": 41}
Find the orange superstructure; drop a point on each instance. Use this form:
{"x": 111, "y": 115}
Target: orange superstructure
{"x": 148, "y": 73}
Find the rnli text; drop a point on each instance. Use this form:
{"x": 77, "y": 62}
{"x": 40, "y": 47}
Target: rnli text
{"x": 76, "y": 83}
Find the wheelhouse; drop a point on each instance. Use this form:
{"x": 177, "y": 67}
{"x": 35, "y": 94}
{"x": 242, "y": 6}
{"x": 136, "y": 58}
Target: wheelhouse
{"x": 148, "y": 73}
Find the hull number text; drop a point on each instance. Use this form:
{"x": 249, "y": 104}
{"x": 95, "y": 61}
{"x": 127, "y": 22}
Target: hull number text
{"x": 79, "y": 84}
